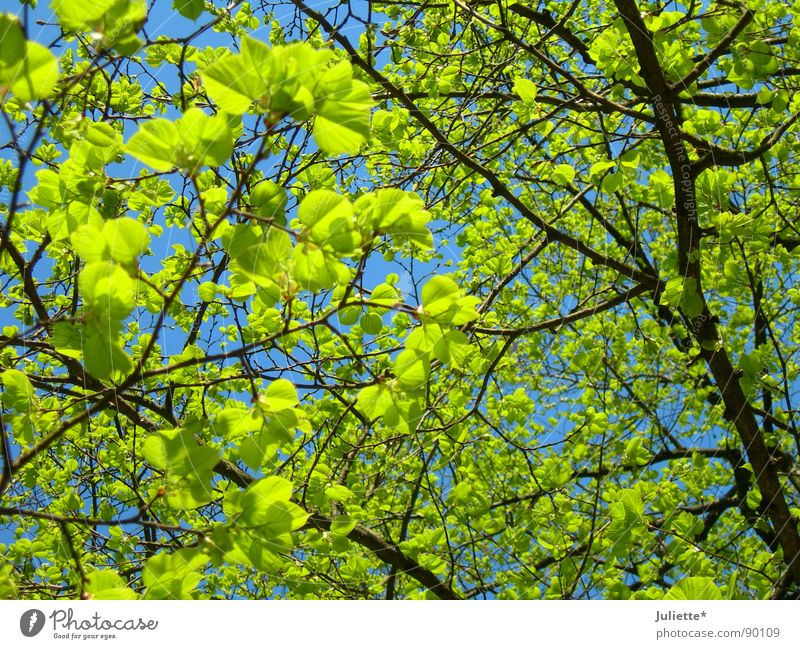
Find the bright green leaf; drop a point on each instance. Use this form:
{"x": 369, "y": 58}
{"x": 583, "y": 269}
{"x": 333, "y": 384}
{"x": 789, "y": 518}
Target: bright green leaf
{"x": 342, "y": 121}
{"x": 412, "y": 370}
{"x": 526, "y": 89}
{"x": 107, "y": 584}
{"x": 18, "y": 392}
{"x": 191, "y": 9}
{"x": 695, "y": 588}
{"x": 279, "y": 395}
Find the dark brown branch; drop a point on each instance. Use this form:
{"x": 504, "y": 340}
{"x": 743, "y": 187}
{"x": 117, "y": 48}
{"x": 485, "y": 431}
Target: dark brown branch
{"x": 719, "y": 157}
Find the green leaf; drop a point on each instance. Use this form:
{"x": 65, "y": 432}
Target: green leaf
{"x": 18, "y": 392}
{"x": 313, "y": 269}
{"x": 279, "y": 427}
{"x": 403, "y": 415}
{"x": 260, "y": 259}
{"x": 108, "y": 292}
{"x": 731, "y": 589}
{"x": 193, "y": 141}
{"x": 155, "y": 144}
{"x": 626, "y": 519}
{"x": 34, "y": 77}
{"x": 103, "y": 355}
{"x": 342, "y": 525}
{"x": 207, "y": 291}
{"x": 256, "y": 450}
{"x": 263, "y": 79}
{"x": 27, "y": 69}
{"x": 526, "y": 90}
{"x": 171, "y": 576}
{"x": 321, "y": 205}
{"x": 682, "y": 292}
{"x": 280, "y": 395}
{"x": 191, "y": 9}
{"x": 636, "y": 454}
{"x": 203, "y": 140}
{"x": 372, "y": 324}
{"x": 113, "y": 23}
{"x": 598, "y": 168}
{"x": 373, "y": 400}
{"x": 386, "y": 295}
{"x": 102, "y": 135}
{"x": 49, "y": 190}
{"x": 296, "y": 70}
{"x": 262, "y": 492}
{"x": 232, "y": 423}
{"x": 412, "y": 370}
{"x": 397, "y": 213}
{"x": 8, "y": 586}
{"x": 342, "y": 121}
{"x": 753, "y": 499}
{"x": 64, "y": 221}
{"x": 694, "y": 588}
{"x": 330, "y": 220}
{"x": 280, "y": 518}
{"x": 188, "y": 467}
{"x": 107, "y": 584}
{"x": 349, "y": 316}
{"x": 259, "y": 74}
{"x": 127, "y": 239}
{"x": 12, "y": 41}
{"x": 75, "y": 16}
{"x": 450, "y": 346}
{"x": 259, "y": 552}
{"x": 269, "y": 200}
{"x": 563, "y": 174}
{"x": 233, "y": 83}
{"x": 265, "y": 505}
{"x": 440, "y": 297}
{"x": 339, "y": 493}
{"x": 67, "y": 339}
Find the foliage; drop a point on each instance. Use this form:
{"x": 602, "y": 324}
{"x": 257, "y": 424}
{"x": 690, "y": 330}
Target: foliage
{"x": 400, "y": 300}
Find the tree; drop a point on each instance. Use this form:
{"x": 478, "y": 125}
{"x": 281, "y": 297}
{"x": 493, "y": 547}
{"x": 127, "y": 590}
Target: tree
{"x": 454, "y": 299}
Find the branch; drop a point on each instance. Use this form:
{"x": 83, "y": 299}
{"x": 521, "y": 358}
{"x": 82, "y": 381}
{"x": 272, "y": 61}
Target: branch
{"x": 719, "y": 157}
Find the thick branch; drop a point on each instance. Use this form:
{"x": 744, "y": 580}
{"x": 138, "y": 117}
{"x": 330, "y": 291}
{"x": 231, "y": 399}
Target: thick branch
{"x": 717, "y": 156}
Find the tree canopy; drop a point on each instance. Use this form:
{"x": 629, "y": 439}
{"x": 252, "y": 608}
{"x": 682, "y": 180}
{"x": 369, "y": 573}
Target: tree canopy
{"x": 402, "y": 299}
